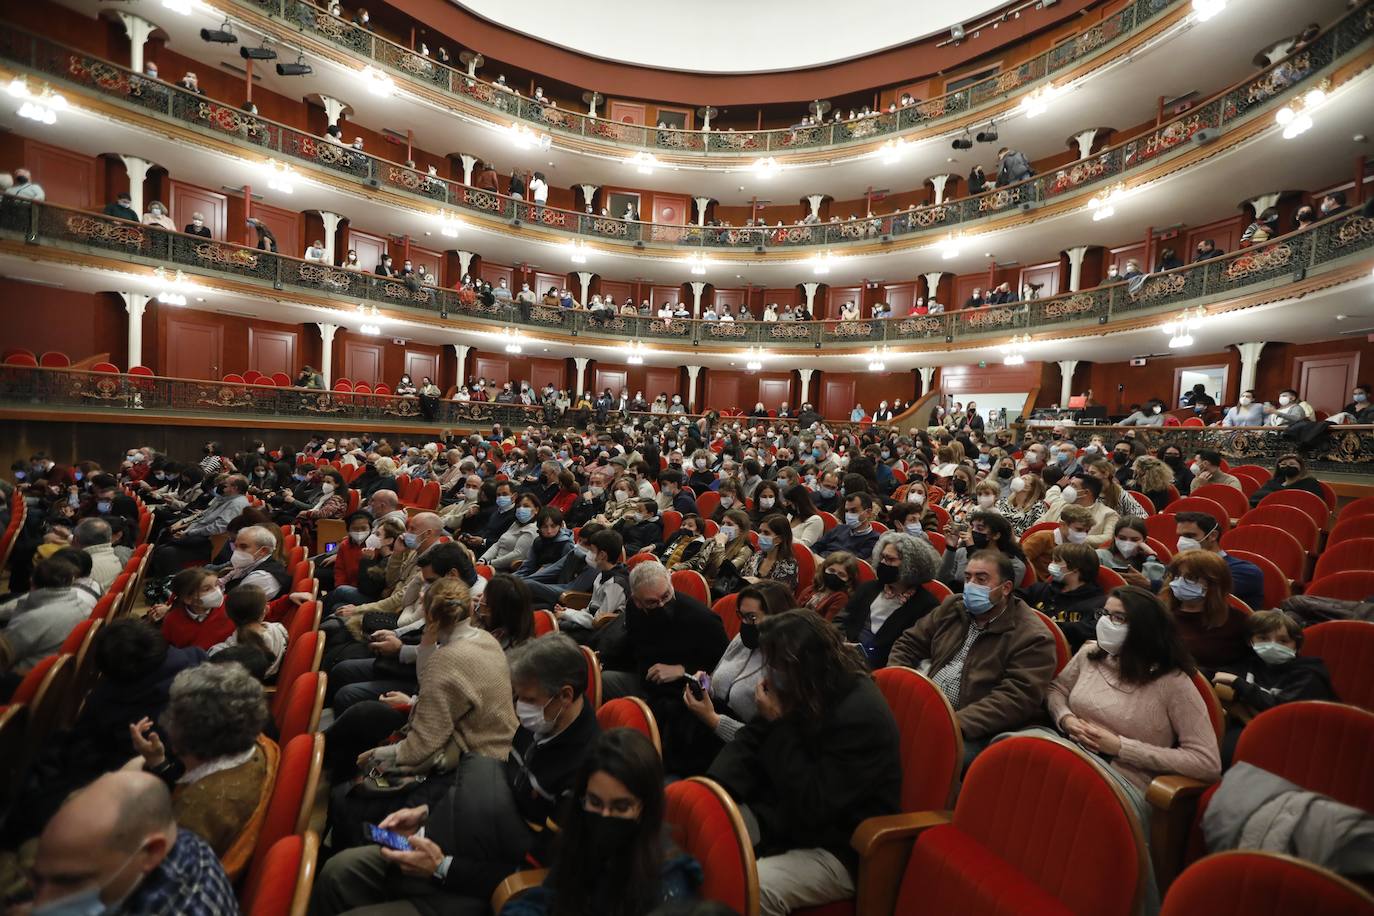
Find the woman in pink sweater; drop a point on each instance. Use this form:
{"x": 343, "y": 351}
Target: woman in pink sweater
{"x": 1129, "y": 696}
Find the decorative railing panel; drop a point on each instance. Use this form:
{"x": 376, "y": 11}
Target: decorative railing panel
{"x": 1347, "y": 450}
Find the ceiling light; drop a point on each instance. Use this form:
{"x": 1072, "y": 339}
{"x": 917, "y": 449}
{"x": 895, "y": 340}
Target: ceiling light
{"x": 223, "y": 35}
{"x": 766, "y": 167}
{"x": 820, "y": 263}
{"x": 964, "y": 142}
{"x": 1038, "y": 102}
{"x": 449, "y": 224}
{"x": 635, "y": 353}
{"x": 644, "y": 162}
{"x": 891, "y": 151}
{"x": 1180, "y": 330}
{"x": 1206, "y": 9}
{"x": 950, "y": 247}
{"x": 578, "y": 251}
{"x": 514, "y": 340}
{"x": 957, "y": 33}
{"x": 877, "y": 359}
{"x": 173, "y": 286}
{"x": 41, "y": 106}
{"x": 178, "y": 6}
{"x": 698, "y": 263}
{"x": 754, "y": 358}
{"x": 279, "y": 177}
{"x": 378, "y": 83}
{"x": 1014, "y": 351}
{"x": 370, "y": 329}
{"x": 1296, "y": 117}
{"x": 261, "y": 52}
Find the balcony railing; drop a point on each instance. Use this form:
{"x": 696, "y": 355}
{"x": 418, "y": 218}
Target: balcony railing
{"x": 1348, "y": 450}
{"x": 504, "y": 103}
{"x": 1233, "y": 106}
{"x": 1289, "y": 256}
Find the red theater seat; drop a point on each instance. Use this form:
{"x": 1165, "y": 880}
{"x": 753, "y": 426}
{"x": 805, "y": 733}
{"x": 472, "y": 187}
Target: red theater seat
{"x": 293, "y": 797}
{"x": 1254, "y": 883}
{"x": 288, "y": 873}
{"x": 1315, "y": 506}
{"x": 1347, "y": 648}
{"x": 1275, "y": 544}
{"x": 691, "y": 582}
{"x": 1290, "y": 519}
{"x": 629, "y": 712}
{"x": 1353, "y": 554}
{"x": 55, "y": 359}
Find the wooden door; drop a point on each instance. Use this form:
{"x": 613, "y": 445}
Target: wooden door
{"x": 369, "y": 247}
{"x": 271, "y": 351}
{"x": 432, "y": 261}
{"x": 187, "y": 199}
{"x": 964, "y": 286}
{"x": 614, "y": 379}
{"x": 422, "y": 364}
{"x": 1326, "y": 381}
{"x": 547, "y": 372}
{"x": 495, "y": 273}
{"x": 774, "y": 391}
{"x": 661, "y": 294}
{"x": 901, "y": 297}
{"x": 285, "y": 225}
{"x": 616, "y": 290}
{"x": 68, "y": 179}
{"x": 669, "y": 210}
{"x": 627, "y": 112}
{"x": 492, "y": 368}
{"x": 541, "y": 281}
{"x": 723, "y": 391}
{"x": 661, "y": 381}
{"x": 1047, "y": 276}
{"x": 362, "y": 362}
{"x": 837, "y": 296}
{"x": 194, "y": 349}
{"x": 782, "y": 296}
{"x": 1119, "y": 257}
{"x": 837, "y": 397}
{"x": 731, "y": 297}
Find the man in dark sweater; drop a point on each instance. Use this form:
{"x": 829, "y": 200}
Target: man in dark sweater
{"x": 494, "y": 815}
{"x": 667, "y": 636}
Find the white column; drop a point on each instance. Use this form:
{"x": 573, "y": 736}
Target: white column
{"x": 581, "y": 362}
{"x": 460, "y": 353}
{"x": 815, "y": 201}
{"x": 469, "y": 163}
{"x": 588, "y": 193}
{"x": 331, "y": 231}
{"x": 810, "y": 290}
{"x": 692, "y": 373}
{"x": 1066, "y": 367}
{"x": 1265, "y": 201}
{"x": 805, "y": 375}
{"x": 698, "y": 287}
{"x": 1249, "y": 363}
{"x": 138, "y": 30}
{"x": 465, "y": 264}
{"x": 585, "y": 278}
{"x": 702, "y": 203}
{"x": 706, "y": 118}
{"x": 933, "y": 286}
{"x": 1085, "y": 142}
{"x": 927, "y": 378}
{"x": 1076, "y": 267}
{"x": 333, "y": 109}
{"x": 938, "y": 182}
{"x": 137, "y": 170}
{"x": 135, "y": 304}
{"x": 327, "y": 332}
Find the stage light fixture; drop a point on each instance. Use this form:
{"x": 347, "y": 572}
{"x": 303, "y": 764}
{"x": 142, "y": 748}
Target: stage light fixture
{"x": 964, "y": 142}
{"x": 223, "y": 35}
{"x": 260, "y": 53}
{"x": 299, "y": 68}
{"x": 987, "y": 136}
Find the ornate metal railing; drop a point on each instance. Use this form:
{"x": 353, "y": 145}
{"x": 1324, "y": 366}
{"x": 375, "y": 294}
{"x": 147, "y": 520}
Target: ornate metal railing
{"x": 1348, "y": 450}
{"x": 1285, "y": 257}
{"x": 503, "y": 102}
{"x": 1233, "y": 106}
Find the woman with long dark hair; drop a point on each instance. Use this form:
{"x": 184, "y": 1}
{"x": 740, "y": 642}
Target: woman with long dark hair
{"x": 612, "y": 858}
{"x": 820, "y": 755}
{"x": 504, "y": 611}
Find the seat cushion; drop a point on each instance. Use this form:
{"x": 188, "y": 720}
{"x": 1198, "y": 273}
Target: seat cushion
{"x": 950, "y": 872}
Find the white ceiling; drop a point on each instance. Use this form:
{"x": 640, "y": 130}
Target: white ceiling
{"x": 1194, "y": 56}
{"x": 728, "y": 36}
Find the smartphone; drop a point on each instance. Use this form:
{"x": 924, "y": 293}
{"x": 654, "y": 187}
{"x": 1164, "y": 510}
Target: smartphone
{"x": 697, "y": 686}
{"x": 387, "y": 838}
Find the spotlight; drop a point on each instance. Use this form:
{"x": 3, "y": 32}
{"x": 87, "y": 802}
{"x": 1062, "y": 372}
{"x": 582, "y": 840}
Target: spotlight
{"x": 957, "y": 33}
{"x": 964, "y": 142}
{"x": 987, "y": 136}
{"x": 261, "y": 53}
{"x": 299, "y": 68}
{"x": 222, "y": 35}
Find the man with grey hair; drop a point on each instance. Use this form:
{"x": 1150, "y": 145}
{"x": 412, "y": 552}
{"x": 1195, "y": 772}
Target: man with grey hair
{"x": 114, "y": 846}
{"x": 254, "y": 562}
{"x": 93, "y": 536}
{"x": 189, "y": 539}
{"x": 667, "y": 635}
{"x": 384, "y": 505}
{"x": 516, "y": 801}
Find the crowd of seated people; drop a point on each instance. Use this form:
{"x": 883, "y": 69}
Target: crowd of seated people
{"x": 840, "y": 550}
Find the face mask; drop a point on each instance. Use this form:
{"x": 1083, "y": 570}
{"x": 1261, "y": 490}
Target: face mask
{"x": 1285, "y": 399}
{"x": 1111, "y": 636}
{"x": 157, "y": 211}
{"x": 986, "y": 500}
{"x": 358, "y": 537}
{"x": 1018, "y": 485}
{"x": 103, "y": 506}
{"x": 1187, "y": 589}
{"x": 410, "y": 540}
{"x": 833, "y": 581}
{"x": 504, "y": 502}
{"x": 1077, "y": 537}
{"x": 1360, "y": 397}
{"x": 242, "y": 559}
{"x": 1195, "y": 467}
{"x": 915, "y": 528}
{"x": 886, "y": 454}
{"x": 1057, "y": 571}
{"x": 700, "y": 463}
{"x": 212, "y": 599}
{"x": 373, "y": 541}
{"x": 1158, "y": 408}
{"x": 977, "y": 599}
{"x": 524, "y": 514}
{"x": 1187, "y": 543}
{"x": 1288, "y": 471}
{"x": 730, "y": 531}
{"x": 726, "y": 502}
{"x": 609, "y": 835}
{"x": 852, "y": 519}
{"x": 960, "y": 485}
{"x": 825, "y": 492}
{"x": 766, "y": 542}
{"x": 470, "y": 493}
{"x": 621, "y": 496}
{"x": 979, "y": 540}
{"x": 1274, "y": 653}
{"x": 1126, "y": 548}
{"x": 1070, "y": 495}
{"x": 1005, "y": 473}
{"x": 766, "y": 502}
{"x": 1065, "y": 457}
{"x": 326, "y": 488}
{"x": 82, "y": 903}
{"x": 532, "y": 718}
{"x": 1246, "y": 402}
{"x": 749, "y": 635}
{"x": 916, "y": 498}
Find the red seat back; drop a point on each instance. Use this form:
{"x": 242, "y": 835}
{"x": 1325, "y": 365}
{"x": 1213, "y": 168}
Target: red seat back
{"x": 705, "y": 823}
{"x": 691, "y": 582}
{"x": 1288, "y": 518}
{"x": 1349, "y": 527}
{"x": 1062, "y": 653}
{"x": 629, "y": 712}
{"x": 300, "y": 714}
{"x": 302, "y": 657}
{"x": 1350, "y": 585}
{"x": 77, "y": 636}
{"x": 1146, "y": 503}
{"x": 281, "y": 379}
{"x": 828, "y": 520}
{"x": 1323, "y": 747}
{"x": 707, "y": 503}
{"x": 1038, "y": 828}
{"x": 1234, "y": 500}
{"x": 1037, "y": 528}
{"x": 1347, "y": 648}
{"x": 284, "y": 884}
{"x": 1270, "y": 542}
{"x": 1163, "y": 528}
{"x": 938, "y": 590}
{"x": 544, "y": 623}
{"x": 806, "y": 565}
{"x": 1259, "y": 472}
{"x": 1315, "y": 506}
{"x": 1356, "y": 553}
{"x": 727, "y": 609}
{"x": 293, "y": 796}
{"x": 672, "y": 521}
{"x": 932, "y": 746}
{"x": 55, "y": 359}
{"x": 1276, "y": 588}
{"x": 1356, "y": 508}
{"x": 1242, "y": 882}
{"x": 21, "y": 359}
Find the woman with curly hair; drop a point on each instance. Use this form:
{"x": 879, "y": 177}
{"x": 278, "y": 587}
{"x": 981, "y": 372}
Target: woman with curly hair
{"x": 1153, "y": 477}
{"x": 881, "y": 610}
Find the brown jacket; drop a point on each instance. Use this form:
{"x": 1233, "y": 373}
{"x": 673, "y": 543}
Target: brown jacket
{"x": 1006, "y": 673}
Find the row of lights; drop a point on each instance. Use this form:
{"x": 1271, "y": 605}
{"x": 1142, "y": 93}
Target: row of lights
{"x": 1180, "y": 330}
{"x": 173, "y": 286}
{"x": 371, "y": 325}
{"x": 515, "y": 341}
{"x": 1296, "y": 117}
{"x": 40, "y": 105}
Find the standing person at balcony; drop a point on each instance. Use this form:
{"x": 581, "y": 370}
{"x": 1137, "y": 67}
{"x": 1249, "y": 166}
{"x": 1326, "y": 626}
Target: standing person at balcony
{"x": 121, "y": 208}
{"x": 1168, "y": 260}
{"x": 1012, "y": 166}
{"x": 24, "y": 187}
{"x": 539, "y": 192}
{"x": 517, "y": 185}
{"x": 316, "y": 252}
{"x": 1206, "y": 250}
{"x": 485, "y": 178}
{"x": 191, "y": 83}
{"x": 525, "y": 299}
{"x": 384, "y": 268}
{"x": 157, "y": 216}
{"x": 977, "y": 180}
{"x": 266, "y": 241}
{"x": 501, "y": 292}
{"x": 197, "y": 226}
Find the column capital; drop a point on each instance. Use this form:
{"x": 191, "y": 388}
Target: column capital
{"x": 327, "y": 330}
{"x": 927, "y": 378}
{"x": 938, "y": 182}
{"x": 805, "y": 374}
{"x": 465, "y": 263}
{"x": 469, "y": 163}
{"x": 698, "y": 287}
{"x": 136, "y": 168}
{"x": 138, "y": 29}
{"x": 1264, "y": 202}
{"x": 1084, "y": 139}
{"x": 1066, "y": 367}
{"x": 335, "y": 109}
{"x": 1249, "y": 363}
{"x": 134, "y": 303}
{"x": 581, "y": 362}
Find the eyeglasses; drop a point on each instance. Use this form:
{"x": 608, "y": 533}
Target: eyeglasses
{"x": 654, "y": 604}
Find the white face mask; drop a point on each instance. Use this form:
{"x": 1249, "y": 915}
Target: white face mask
{"x": 726, "y": 502}
{"x": 358, "y": 537}
{"x": 916, "y": 498}
{"x": 1246, "y": 402}
{"x": 1018, "y": 484}
{"x": 915, "y": 528}
{"x": 326, "y": 488}
{"x": 1187, "y": 543}
{"x": 373, "y": 541}
{"x": 1077, "y": 537}
{"x": 1127, "y": 548}
{"x": 1111, "y": 636}
{"x": 1285, "y": 399}
{"x": 212, "y": 599}
{"x": 1195, "y": 467}
{"x": 532, "y": 719}
{"x": 1057, "y": 571}
{"x": 621, "y": 496}
{"x": 765, "y": 502}
{"x": 986, "y": 500}
{"x": 242, "y": 559}
{"x": 1070, "y": 495}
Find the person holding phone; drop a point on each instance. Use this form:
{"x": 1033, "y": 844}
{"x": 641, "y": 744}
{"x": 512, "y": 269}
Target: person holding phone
{"x": 1130, "y": 555}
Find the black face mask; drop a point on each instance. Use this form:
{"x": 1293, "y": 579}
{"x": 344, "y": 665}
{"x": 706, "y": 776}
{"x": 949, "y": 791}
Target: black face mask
{"x": 833, "y": 581}
{"x": 1120, "y": 458}
{"x": 960, "y": 485}
{"x": 1005, "y": 473}
{"x": 887, "y": 574}
{"x": 609, "y": 835}
{"x": 749, "y": 635}
{"x": 1173, "y": 461}
{"x": 1288, "y": 471}
{"x": 980, "y": 540}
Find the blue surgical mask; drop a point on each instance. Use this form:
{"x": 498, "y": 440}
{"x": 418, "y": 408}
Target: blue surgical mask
{"x": 103, "y": 506}
{"x": 411, "y": 540}
{"x": 977, "y": 598}
{"x": 1361, "y": 397}
{"x": 1187, "y": 589}
{"x": 852, "y": 519}
{"x": 1274, "y": 653}
{"x": 83, "y": 903}
{"x": 504, "y": 502}
{"x": 825, "y": 492}
{"x": 766, "y": 542}
{"x": 524, "y": 514}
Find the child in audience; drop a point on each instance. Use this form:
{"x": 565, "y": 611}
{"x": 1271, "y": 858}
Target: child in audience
{"x": 195, "y": 616}
{"x": 246, "y": 607}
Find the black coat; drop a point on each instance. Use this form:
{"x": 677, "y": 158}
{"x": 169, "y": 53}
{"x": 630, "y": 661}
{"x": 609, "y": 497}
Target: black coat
{"x": 684, "y": 632}
{"x": 1076, "y": 611}
{"x": 811, "y": 783}
{"x": 856, "y": 615}
{"x": 1276, "y": 484}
